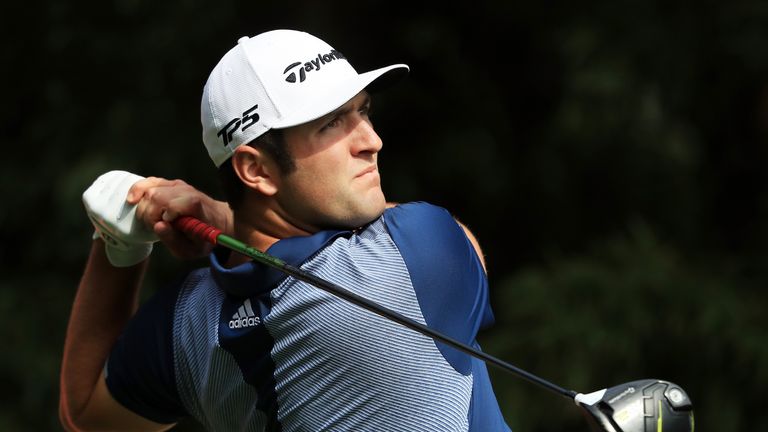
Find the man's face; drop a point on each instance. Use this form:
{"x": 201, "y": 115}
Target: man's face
{"x": 336, "y": 182}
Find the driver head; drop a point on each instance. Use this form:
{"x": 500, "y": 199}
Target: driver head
{"x": 639, "y": 406}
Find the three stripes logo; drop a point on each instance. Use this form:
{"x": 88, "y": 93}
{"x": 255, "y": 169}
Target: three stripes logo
{"x": 303, "y": 68}
{"x": 244, "y": 317}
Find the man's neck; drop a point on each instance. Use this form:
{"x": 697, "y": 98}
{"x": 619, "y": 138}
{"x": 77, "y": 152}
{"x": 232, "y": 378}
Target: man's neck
{"x": 260, "y": 227}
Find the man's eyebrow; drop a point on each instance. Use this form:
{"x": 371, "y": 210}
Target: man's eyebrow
{"x": 345, "y": 109}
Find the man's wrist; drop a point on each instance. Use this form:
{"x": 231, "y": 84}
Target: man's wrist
{"x": 124, "y": 256}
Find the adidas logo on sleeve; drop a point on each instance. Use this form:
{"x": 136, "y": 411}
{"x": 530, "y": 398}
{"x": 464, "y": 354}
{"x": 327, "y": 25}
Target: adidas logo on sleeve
{"x": 244, "y": 317}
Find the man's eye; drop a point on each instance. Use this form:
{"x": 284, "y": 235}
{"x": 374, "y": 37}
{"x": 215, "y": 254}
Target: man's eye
{"x": 331, "y": 124}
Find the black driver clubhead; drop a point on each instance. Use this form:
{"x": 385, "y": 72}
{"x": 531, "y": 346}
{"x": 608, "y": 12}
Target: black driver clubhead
{"x": 648, "y": 405}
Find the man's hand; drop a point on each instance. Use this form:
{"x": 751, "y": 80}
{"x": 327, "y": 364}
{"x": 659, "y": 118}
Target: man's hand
{"x": 159, "y": 201}
{"x": 127, "y": 241}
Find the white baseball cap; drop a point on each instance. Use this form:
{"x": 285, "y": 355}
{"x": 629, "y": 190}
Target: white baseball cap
{"x": 275, "y": 80}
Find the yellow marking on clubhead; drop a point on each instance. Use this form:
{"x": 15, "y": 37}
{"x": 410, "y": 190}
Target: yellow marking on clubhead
{"x": 659, "y": 422}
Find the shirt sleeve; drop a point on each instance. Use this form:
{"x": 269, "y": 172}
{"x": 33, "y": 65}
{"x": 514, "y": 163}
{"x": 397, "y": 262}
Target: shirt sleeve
{"x": 446, "y": 273}
{"x": 140, "y": 370}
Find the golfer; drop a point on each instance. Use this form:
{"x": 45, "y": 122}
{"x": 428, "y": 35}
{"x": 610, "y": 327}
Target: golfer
{"x": 240, "y": 346}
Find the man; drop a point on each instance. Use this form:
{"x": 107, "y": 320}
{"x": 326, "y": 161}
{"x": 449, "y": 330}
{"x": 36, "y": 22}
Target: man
{"x": 239, "y": 346}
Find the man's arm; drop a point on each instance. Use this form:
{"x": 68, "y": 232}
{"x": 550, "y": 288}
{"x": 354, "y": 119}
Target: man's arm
{"x": 475, "y": 244}
{"x": 106, "y": 299}
{"x": 467, "y": 232}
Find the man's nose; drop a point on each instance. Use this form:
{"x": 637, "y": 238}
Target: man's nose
{"x": 366, "y": 138}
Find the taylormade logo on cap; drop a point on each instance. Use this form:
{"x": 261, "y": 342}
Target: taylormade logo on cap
{"x": 312, "y": 65}
{"x": 275, "y": 80}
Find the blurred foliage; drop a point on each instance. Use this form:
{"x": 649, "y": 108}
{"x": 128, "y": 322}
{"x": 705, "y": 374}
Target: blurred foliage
{"x": 609, "y": 155}
{"x": 631, "y": 308}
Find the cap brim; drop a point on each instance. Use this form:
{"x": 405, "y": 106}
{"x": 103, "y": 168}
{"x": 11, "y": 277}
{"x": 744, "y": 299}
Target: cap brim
{"x": 336, "y": 96}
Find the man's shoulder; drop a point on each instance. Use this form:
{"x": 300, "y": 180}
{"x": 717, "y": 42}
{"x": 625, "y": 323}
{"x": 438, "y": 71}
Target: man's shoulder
{"x": 415, "y": 205}
{"x": 419, "y": 215}
{"x": 194, "y": 277}
{"x": 417, "y": 209}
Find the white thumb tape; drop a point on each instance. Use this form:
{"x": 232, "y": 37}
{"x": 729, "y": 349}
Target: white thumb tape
{"x": 128, "y": 241}
{"x": 129, "y": 256}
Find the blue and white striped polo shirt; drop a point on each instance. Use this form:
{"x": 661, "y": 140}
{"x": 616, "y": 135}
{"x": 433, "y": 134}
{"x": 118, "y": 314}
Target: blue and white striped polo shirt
{"x": 250, "y": 349}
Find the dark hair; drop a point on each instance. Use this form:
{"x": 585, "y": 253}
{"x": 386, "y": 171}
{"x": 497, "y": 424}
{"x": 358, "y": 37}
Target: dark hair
{"x": 273, "y": 144}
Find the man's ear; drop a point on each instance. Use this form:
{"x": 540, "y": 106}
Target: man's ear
{"x": 256, "y": 170}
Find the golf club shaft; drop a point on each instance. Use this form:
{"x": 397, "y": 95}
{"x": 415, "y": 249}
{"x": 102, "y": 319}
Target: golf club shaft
{"x": 198, "y": 229}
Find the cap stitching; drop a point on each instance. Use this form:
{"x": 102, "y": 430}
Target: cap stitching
{"x": 261, "y": 82}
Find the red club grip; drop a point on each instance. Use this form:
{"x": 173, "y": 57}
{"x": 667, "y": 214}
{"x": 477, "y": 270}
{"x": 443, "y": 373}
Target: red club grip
{"x": 196, "y": 228}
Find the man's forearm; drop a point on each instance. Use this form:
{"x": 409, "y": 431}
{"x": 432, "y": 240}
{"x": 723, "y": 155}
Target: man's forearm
{"x": 106, "y": 299}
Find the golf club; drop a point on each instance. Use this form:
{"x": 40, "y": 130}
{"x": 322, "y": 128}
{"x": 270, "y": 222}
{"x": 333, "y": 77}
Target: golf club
{"x": 648, "y": 405}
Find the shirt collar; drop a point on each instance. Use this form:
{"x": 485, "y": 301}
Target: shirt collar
{"x": 252, "y": 278}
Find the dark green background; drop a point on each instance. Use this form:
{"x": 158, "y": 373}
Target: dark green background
{"x": 609, "y": 155}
